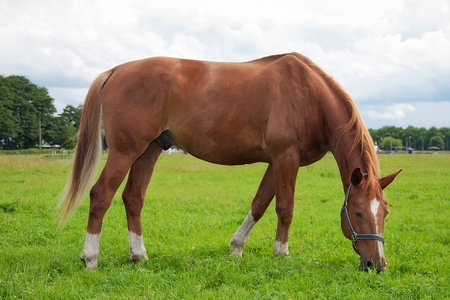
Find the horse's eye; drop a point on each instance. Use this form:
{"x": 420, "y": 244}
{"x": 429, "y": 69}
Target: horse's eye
{"x": 358, "y": 214}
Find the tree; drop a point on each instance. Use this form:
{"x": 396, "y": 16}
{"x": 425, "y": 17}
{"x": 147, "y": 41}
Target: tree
{"x": 422, "y": 138}
{"x": 392, "y": 131}
{"x": 445, "y": 133}
{"x": 67, "y": 129}
{"x": 389, "y": 142}
{"x": 72, "y": 115}
{"x": 417, "y": 138}
{"x": 22, "y": 104}
{"x": 7, "y": 124}
{"x": 67, "y": 126}
{"x": 432, "y": 132}
{"x": 436, "y": 141}
{"x": 412, "y": 137}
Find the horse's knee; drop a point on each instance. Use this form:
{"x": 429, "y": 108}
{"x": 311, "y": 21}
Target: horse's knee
{"x": 285, "y": 214}
{"x": 99, "y": 204}
{"x": 259, "y": 207}
{"x": 257, "y": 213}
{"x": 133, "y": 203}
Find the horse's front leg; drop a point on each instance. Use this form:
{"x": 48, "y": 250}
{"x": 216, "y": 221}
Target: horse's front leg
{"x": 285, "y": 169}
{"x": 133, "y": 197}
{"x": 263, "y": 197}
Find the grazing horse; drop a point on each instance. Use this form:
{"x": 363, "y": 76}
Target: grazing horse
{"x": 282, "y": 110}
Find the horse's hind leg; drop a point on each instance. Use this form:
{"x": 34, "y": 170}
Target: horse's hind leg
{"x": 133, "y": 197}
{"x": 263, "y": 197}
{"x": 101, "y": 195}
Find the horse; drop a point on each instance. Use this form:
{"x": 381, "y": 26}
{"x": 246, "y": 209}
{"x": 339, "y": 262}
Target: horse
{"x": 282, "y": 110}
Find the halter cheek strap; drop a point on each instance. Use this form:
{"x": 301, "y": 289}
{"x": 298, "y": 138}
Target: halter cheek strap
{"x": 354, "y": 235}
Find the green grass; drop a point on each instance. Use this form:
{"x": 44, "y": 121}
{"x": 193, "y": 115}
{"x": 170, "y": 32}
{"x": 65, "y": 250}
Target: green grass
{"x": 192, "y": 210}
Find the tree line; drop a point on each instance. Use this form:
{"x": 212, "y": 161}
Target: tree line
{"x": 389, "y": 137}
{"x": 28, "y": 119}
{"x": 27, "y": 112}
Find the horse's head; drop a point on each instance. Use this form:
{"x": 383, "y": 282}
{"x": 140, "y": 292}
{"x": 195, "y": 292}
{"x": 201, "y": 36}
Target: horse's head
{"x": 362, "y": 217}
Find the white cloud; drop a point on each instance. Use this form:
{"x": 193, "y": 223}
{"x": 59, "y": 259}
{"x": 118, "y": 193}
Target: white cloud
{"x": 185, "y": 46}
{"x": 388, "y": 68}
{"x": 396, "y": 111}
{"x": 418, "y": 17}
{"x": 67, "y": 96}
{"x": 405, "y": 114}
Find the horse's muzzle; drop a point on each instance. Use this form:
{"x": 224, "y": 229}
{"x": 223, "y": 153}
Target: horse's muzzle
{"x": 379, "y": 265}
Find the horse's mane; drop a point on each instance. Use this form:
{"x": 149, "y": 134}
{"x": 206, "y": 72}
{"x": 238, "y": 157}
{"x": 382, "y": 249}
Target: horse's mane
{"x": 354, "y": 127}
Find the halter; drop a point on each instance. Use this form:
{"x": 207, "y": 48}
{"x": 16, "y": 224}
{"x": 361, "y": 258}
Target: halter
{"x": 354, "y": 235}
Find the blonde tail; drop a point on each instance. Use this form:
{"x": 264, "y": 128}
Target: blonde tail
{"x": 88, "y": 150}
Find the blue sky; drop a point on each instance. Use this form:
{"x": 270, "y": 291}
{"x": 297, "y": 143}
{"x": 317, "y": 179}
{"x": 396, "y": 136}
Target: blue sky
{"x": 392, "y": 57}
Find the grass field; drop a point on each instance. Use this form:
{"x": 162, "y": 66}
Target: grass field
{"x": 192, "y": 210}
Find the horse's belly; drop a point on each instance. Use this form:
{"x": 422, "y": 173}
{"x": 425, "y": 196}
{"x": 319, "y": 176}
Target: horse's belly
{"x": 227, "y": 149}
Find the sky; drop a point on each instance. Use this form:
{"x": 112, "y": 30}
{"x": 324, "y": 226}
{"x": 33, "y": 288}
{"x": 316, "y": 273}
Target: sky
{"x": 391, "y": 56}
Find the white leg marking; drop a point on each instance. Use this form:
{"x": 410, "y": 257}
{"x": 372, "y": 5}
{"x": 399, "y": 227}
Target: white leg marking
{"x": 280, "y": 249}
{"x": 374, "y": 205}
{"x": 239, "y": 239}
{"x": 90, "y": 250}
{"x": 137, "y": 248}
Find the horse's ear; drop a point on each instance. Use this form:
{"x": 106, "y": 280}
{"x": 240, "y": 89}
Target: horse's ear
{"x": 357, "y": 177}
{"x": 385, "y": 181}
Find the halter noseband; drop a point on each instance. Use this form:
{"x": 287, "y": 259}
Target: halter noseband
{"x": 354, "y": 235}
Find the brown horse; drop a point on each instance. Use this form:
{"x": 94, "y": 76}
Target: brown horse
{"x": 282, "y": 110}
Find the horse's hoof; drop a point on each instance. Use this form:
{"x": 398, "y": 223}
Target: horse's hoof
{"x": 138, "y": 257}
{"x": 91, "y": 263}
{"x": 280, "y": 249}
{"x": 236, "y": 247}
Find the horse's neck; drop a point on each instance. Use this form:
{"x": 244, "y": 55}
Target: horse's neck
{"x": 348, "y": 159}
{"x": 335, "y": 111}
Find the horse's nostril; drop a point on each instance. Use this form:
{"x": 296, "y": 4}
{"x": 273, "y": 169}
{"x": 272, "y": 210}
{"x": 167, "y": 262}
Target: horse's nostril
{"x": 369, "y": 264}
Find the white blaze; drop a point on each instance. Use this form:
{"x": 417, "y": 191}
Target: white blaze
{"x": 374, "y": 205}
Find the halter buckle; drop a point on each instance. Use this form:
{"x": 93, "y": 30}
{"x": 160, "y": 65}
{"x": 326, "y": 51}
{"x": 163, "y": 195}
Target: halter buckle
{"x": 354, "y": 237}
